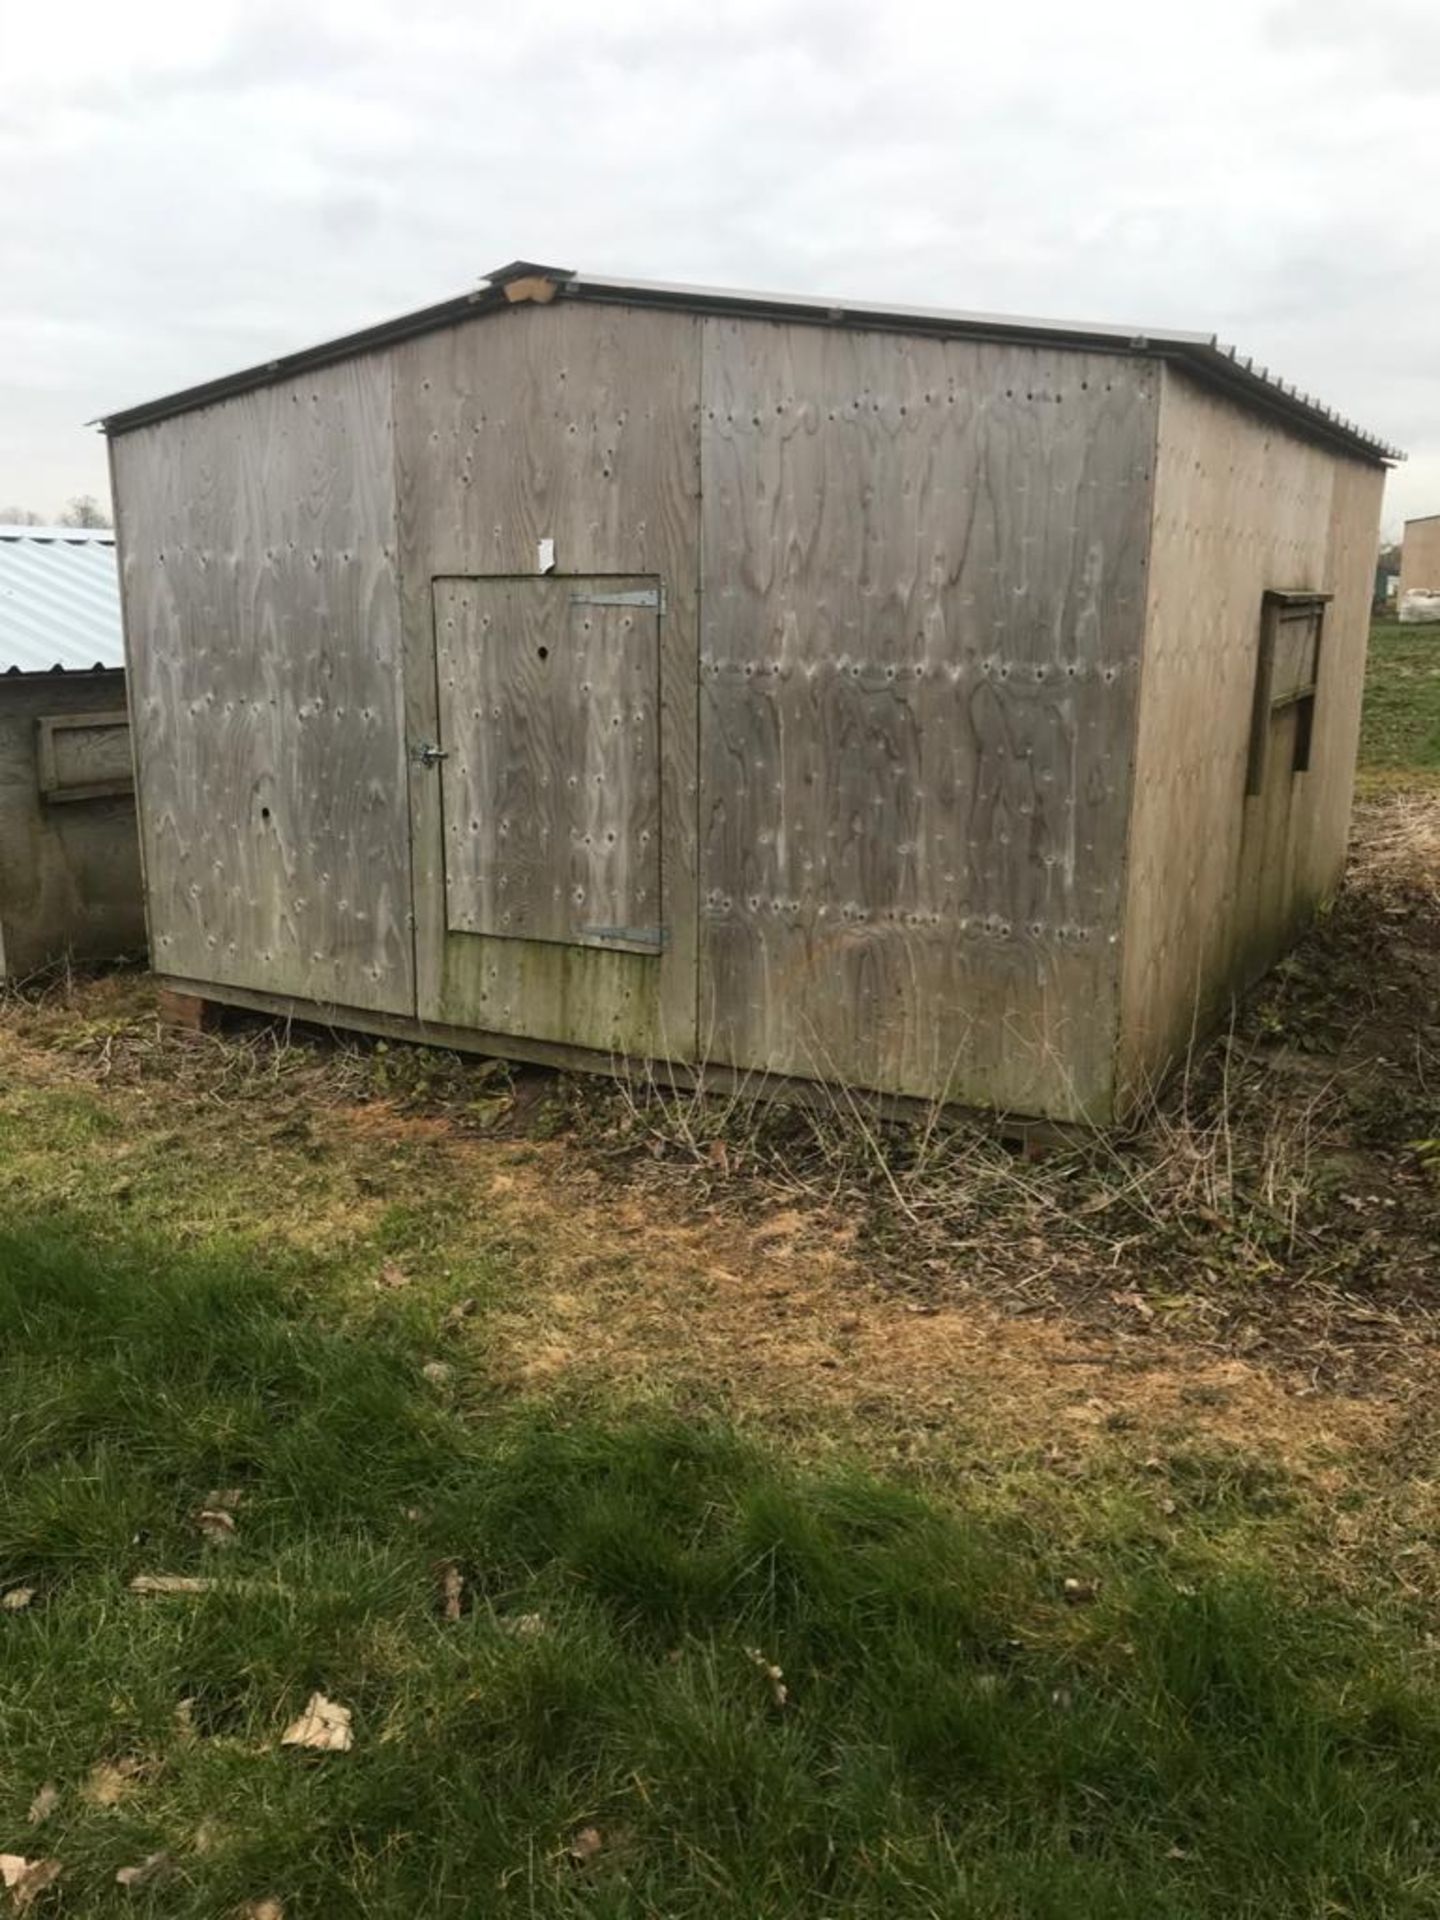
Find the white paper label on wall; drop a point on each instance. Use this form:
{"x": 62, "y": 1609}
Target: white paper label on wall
{"x": 545, "y": 557}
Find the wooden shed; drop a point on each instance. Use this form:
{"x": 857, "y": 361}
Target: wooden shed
{"x": 1420, "y": 556}
{"x": 69, "y": 855}
{"x": 586, "y": 670}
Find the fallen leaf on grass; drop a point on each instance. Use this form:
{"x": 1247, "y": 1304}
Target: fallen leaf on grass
{"x": 226, "y": 1499}
{"x": 110, "y": 1780}
{"x": 452, "y": 1585}
{"x": 264, "y": 1910}
{"x": 438, "y": 1372}
{"x": 169, "y": 1583}
{"x": 217, "y": 1525}
{"x": 459, "y": 1314}
{"x": 155, "y": 1866}
{"x": 779, "y": 1692}
{"x": 523, "y": 1626}
{"x": 17, "y": 1599}
{"x": 44, "y": 1803}
{"x": 26, "y": 1879}
{"x": 392, "y": 1274}
{"x": 324, "y": 1726}
{"x": 185, "y": 1718}
{"x": 585, "y": 1845}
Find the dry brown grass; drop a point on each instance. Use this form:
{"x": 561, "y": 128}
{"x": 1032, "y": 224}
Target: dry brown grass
{"x": 1275, "y": 1200}
{"x": 1396, "y": 846}
{"x": 1266, "y": 1231}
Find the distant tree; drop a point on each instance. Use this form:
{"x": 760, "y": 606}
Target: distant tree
{"x": 20, "y": 517}
{"x": 1390, "y": 558}
{"x": 85, "y": 511}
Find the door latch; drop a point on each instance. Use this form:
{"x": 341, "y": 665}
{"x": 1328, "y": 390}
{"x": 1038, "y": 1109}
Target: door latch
{"x": 427, "y": 754}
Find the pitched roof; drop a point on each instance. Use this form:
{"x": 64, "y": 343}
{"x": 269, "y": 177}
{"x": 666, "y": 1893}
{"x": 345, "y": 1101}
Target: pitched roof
{"x": 1200, "y": 353}
{"x": 59, "y": 600}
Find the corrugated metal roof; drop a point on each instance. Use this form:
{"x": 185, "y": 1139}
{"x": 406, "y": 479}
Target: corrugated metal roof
{"x": 59, "y": 600}
{"x": 1200, "y": 353}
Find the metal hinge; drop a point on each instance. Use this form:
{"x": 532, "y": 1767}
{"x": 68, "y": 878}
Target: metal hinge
{"x": 635, "y": 936}
{"x": 636, "y": 597}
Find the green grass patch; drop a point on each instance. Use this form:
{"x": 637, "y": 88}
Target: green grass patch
{"x": 1400, "y": 728}
{"x": 958, "y": 1738}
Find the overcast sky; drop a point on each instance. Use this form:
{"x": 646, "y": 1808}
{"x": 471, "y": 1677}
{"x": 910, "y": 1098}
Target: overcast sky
{"x": 190, "y": 188}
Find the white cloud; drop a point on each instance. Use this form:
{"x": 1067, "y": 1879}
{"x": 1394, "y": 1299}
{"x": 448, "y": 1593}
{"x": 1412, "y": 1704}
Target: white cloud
{"x": 195, "y": 188}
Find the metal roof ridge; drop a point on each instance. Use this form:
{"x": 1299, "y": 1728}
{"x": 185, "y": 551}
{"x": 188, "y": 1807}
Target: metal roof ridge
{"x": 837, "y": 308}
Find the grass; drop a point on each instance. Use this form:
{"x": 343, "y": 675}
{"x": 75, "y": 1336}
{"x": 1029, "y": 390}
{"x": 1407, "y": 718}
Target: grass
{"x": 735, "y": 1392}
{"x": 1194, "y": 1737}
{"x": 1400, "y": 729}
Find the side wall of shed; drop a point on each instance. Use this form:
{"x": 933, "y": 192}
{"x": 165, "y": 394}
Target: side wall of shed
{"x": 1219, "y": 882}
{"x": 1420, "y": 556}
{"x": 69, "y": 869}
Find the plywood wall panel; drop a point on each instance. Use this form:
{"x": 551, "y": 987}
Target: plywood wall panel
{"x": 262, "y": 616}
{"x": 923, "y": 600}
{"x": 574, "y": 425}
{"x": 1217, "y": 882}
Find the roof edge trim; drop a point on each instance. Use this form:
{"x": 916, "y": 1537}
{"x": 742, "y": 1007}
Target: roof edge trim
{"x": 1201, "y": 353}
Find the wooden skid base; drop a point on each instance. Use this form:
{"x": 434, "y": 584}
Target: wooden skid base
{"x": 187, "y": 1012}
{"x": 1033, "y": 1136}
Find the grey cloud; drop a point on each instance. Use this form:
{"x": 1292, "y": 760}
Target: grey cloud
{"x": 266, "y": 46}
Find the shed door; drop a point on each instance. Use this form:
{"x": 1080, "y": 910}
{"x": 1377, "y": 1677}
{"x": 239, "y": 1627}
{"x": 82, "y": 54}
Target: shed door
{"x": 548, "y": 758}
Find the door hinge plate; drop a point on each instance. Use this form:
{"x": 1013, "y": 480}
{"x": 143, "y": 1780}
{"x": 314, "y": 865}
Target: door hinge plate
{"x": 649, "y": 937}
{"x": 633, "y": 597}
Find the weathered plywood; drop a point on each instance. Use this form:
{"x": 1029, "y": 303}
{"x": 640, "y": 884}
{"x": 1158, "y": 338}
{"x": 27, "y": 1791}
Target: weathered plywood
{"x": 258, "y": 562}
{"x": 549, "y": 719}
{"x": 69, "y": 873}
{"x": 574, "y": 425}
{"x": 1217, "y": 882}
{"x": 924, "y": 595}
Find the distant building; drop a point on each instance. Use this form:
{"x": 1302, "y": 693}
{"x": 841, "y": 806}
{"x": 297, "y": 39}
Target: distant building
{"x": 69, "y": 853}
{"x": 1420, "y": 556}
